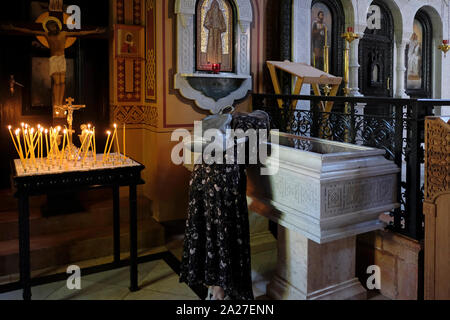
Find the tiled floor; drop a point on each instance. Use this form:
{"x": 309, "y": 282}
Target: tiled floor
{"x": 157, "y": 282}
{"x": 156, "y": 279}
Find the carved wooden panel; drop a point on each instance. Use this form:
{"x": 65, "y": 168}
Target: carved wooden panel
{"x": 437, "y": 158}
{"x": 437, "y": 209}
{"x": 150, "y": 50}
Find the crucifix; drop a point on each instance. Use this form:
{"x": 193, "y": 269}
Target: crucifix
{"x": 57, "y": 37}
{"x": 68, "y": 110}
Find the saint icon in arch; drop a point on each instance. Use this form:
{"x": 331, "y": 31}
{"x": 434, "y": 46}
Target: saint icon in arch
{"x": 214, "y": 34}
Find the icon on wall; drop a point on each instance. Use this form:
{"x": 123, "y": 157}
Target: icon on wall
{"x": 215, "y": 35}
{"x": 129, "y": 41}
{"x": 320, "y": 33}
{"x": 414, "y": 73}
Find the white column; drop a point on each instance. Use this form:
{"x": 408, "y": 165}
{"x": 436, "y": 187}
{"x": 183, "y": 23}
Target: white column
{"x": 401, "y": 70}
{"x": 354, "y": 68}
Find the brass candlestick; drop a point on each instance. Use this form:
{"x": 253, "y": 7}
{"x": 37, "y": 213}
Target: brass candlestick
{"x": 348, "y": 36}
{"x": 444, "y": 47}
{"x": 326, "y": 62}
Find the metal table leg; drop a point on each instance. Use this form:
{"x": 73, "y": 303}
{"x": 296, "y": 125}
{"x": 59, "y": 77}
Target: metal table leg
{"x": 116, "y": 224}
{"x": 24, "y": 246}
{"x": 133, "y": 239}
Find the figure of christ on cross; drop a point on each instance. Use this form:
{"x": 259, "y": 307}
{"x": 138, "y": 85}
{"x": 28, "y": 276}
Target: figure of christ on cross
{"x": 56, "y": 39}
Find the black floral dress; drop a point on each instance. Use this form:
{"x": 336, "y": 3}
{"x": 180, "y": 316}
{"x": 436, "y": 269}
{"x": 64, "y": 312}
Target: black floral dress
{"x": 217, "y": 238}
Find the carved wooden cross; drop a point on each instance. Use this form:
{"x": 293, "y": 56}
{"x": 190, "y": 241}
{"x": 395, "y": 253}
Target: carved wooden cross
{"x": 69, "y": 108}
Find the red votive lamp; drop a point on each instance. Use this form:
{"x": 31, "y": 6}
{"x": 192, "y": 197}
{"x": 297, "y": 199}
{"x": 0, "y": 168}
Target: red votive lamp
{"x": 445, "y": 41}
{"x": 350, "y": 29}
{"x": 215, "y": 68}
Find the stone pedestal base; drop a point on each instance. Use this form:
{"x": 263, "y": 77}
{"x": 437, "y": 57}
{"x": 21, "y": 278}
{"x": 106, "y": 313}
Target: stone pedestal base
{"x": 310, "y": 271}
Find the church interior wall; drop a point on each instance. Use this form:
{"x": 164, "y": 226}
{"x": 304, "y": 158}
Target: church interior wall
{"x": 170, "y": 110}
{"x": 155, "y": 121}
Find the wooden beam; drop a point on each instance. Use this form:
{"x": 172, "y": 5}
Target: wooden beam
{"x": 316, "y": 90}
{"x": 333, "y": 92}
{"x": 276, "y": 84}
{"x": 297, "y": 90}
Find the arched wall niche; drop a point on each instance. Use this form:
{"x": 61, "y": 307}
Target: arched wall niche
{"x": 436, "y": 55}
{"x": 202, "y": 87}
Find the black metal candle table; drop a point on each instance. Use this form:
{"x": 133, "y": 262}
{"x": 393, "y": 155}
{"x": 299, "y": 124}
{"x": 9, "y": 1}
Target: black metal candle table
{"x": 121, "y": 174}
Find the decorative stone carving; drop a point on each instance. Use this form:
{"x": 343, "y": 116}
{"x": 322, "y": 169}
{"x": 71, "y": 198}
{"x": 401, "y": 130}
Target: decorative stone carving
{"x": 185, "y": 11}
{"x": 327, "y": 190}
{"x": 144, "y": 115}
{"x": 323, "y": 194}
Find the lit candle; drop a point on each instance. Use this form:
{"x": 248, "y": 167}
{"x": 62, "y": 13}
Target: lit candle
{"x": 52, "y": 143}
{"x": 42, "y": 144}
{"x": 46, "y": 144}
{"x": 63, "y": 147}
{"x": 82, "y": 144}
{"x": 25, "y": 143}
{"x": 20, "y": 148}
{"x": 112, "y": 141}
{"x": 38, "y": 146}
{"x": 12, "y": 137}
{"x": 90, "y": 133}
{"x": 117, "y": 140}
{"x": 106, "y": 145}
{"x": 32, "y": 145}
{"x": 94, "y": 150}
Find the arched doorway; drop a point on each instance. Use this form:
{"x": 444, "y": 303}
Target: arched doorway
{"x": 376, "y": 59}
{"x": 418, "y": 58}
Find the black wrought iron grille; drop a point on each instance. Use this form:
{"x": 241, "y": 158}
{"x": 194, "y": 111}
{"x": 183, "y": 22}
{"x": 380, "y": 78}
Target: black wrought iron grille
{"x": 395, "y": 125}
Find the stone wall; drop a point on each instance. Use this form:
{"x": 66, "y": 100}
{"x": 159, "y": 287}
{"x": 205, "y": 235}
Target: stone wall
{"x": 399, "y": 259}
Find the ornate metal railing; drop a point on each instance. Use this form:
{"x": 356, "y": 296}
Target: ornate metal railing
{"x": 395, "y": 125}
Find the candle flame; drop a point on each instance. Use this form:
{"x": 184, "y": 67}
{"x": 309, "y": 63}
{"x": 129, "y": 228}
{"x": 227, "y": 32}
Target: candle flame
{"x": 108, "y": 132}
{"x": 42, "y": 129}
{"x": 115, "y": 126}
{"x": 65, "y": 131}
{"x": 46, "y": 131}
{"x": 17, "y": 132}
{"x": 9, "y": 127}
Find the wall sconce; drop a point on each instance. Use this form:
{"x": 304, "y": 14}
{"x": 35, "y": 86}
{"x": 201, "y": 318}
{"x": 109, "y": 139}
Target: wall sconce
{"x": 444, "y": 47}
